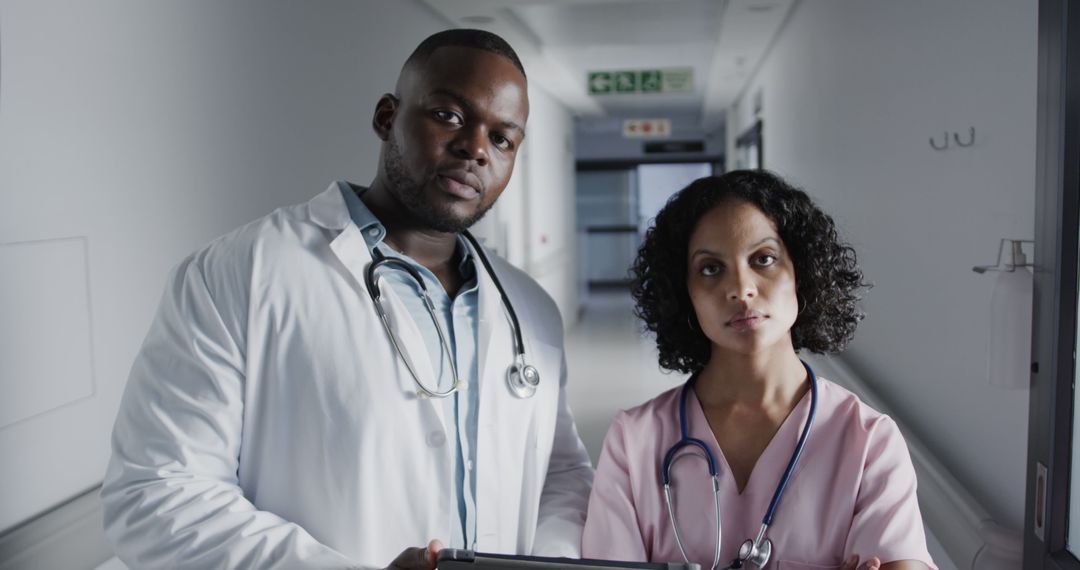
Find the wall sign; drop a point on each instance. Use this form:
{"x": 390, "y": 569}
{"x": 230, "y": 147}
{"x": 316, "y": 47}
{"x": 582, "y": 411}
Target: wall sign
{"x": 646, "y": 128}
{"x": 630, "y": 81}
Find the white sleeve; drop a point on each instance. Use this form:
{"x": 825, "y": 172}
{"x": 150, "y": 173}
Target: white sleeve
{"x": 171, "y": 494}
{"x": 565, "y": 496}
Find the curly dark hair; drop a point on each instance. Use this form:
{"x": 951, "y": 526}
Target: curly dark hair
{"x": 828, "y": 279}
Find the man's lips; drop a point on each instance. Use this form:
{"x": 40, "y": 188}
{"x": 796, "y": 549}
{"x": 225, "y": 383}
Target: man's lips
{"x": 460, "y": 183}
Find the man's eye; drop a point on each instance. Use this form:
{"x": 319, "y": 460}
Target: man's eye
{"x": 447, "y": 116}
{"x": 502, "y": 142}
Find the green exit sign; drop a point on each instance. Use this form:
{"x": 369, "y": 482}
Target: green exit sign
{"x": 628, "y": 81}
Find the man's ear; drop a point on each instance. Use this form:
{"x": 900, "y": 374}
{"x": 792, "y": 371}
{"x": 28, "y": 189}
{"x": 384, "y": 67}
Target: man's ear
{"x": 385, "y": 111}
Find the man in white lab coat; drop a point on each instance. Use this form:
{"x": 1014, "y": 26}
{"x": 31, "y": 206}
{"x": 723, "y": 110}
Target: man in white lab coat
{"x": 269, "y": 420}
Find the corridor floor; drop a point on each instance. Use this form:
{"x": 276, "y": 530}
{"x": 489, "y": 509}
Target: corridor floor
{"x": 611, "y": 365}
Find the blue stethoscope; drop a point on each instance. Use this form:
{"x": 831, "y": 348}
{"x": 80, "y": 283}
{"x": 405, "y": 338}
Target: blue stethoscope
{"x": 522, "y": 378}
{"x": 753, "y": 551}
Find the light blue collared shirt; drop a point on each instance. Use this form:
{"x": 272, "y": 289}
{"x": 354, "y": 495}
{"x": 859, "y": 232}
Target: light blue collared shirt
{"x": 459, "y": 318}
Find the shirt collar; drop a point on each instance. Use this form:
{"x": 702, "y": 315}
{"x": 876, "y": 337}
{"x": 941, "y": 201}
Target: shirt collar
{"x": 374, "y": 231}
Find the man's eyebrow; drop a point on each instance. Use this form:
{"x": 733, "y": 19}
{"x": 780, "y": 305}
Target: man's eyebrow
{"x": 470, "y": 109}
{"x": 457, "y": 97}
{"x": 512, "y": 126}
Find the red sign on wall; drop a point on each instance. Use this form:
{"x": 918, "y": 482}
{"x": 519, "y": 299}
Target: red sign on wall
{"x": 646, "y": 128}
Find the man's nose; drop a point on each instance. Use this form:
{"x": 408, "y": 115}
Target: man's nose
{"x": 471, "y": 144}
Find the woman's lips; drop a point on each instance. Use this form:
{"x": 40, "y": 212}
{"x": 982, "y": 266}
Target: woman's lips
{"x": 746, "y": 321}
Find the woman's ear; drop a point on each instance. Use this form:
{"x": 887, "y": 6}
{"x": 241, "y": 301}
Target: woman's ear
{"x": 385, "y": 111}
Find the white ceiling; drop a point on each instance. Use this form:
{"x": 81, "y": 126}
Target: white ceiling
{"x": 560, "y": 41}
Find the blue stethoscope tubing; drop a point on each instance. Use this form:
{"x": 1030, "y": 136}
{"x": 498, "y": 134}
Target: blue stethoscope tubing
{"x": 756, "y": 551}
{"x": 521, "y": 377}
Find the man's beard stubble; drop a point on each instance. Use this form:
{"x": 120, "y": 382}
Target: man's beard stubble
{"x": 410, "y": 194}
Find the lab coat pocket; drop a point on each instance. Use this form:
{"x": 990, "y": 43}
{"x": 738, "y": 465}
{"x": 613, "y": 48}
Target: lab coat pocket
{"x": 792, "y": 565}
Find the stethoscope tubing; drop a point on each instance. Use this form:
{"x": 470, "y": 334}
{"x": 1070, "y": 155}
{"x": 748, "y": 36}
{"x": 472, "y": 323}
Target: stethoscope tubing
{"x": 522, "y": 378}
{"x": 771, "y": 513}
{"x": 372, "y": 284}
{"x": 519, "y": 343}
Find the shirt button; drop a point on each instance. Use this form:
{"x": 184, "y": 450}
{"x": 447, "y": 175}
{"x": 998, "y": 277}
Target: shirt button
{"x": 373, "y": 231}
{"x": 468, "y": 465}
{"x": 436, "y": 439}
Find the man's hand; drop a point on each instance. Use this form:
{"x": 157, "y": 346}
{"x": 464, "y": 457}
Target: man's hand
{"x": 853, "y": 563}
{"x": 417, "y": 558}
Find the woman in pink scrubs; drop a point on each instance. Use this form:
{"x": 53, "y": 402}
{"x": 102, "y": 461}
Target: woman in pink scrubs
{"x": 737, "y": 274}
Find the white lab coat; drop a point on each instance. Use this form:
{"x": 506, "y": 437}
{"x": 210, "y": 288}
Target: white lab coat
{"x": 268, "y": 423}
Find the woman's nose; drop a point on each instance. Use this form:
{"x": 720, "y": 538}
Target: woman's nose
{"x": 741, "y": 286}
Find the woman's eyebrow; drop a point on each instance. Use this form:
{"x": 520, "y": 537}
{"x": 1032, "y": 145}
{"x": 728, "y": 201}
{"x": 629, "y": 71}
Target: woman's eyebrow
{"x": 706, "y": 251}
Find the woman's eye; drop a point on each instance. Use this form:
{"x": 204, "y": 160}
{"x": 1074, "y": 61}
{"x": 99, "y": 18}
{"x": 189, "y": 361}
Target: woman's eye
{"x": 447, "y": 116}
{"x": 709, "y": 269}
{"x": 766, "y": 259}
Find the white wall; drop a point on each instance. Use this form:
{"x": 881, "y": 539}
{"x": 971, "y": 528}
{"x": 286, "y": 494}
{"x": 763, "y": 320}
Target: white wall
{"x": 853, "y": 90}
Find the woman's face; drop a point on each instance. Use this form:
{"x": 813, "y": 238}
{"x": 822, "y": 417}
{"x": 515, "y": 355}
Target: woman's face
{"x": 741, "y": 280}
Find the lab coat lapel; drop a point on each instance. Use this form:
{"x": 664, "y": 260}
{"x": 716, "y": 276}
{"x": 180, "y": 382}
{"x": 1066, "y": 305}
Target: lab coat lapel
{"x": 508, "y": 430}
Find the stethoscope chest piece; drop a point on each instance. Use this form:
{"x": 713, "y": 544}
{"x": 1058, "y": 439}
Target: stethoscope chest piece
{"x": 756, "y": 555}
{"x": 522, "y": 379}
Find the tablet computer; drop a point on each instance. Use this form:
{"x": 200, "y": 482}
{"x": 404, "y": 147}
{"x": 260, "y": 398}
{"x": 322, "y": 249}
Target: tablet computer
{"x": 458, "y": 559}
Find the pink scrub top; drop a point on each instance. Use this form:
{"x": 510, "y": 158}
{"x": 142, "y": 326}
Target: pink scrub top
{"x": 853, "y": 491}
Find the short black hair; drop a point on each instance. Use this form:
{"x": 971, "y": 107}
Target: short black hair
{"x": 827, "y": 277}
{"x": 464, "y": 37}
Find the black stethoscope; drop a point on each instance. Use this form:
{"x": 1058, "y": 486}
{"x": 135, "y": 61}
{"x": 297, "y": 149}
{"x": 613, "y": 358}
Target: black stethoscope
{"x": 754, "y": 551}
{"x": 521, "y": 377}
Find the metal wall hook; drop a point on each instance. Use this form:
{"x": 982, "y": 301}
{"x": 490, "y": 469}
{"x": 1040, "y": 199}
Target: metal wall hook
{"x": 944, "y": 145}
{"x": 1016, "y": 257}
{"x": 971, "y": 139}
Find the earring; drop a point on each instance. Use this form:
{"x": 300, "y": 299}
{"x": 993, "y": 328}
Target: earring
{"x": 690, "y": 323}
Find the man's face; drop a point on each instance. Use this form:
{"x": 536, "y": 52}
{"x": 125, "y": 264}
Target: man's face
{"x": 452, "y": 134}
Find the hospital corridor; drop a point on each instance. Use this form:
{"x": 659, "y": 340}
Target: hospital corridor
{"x": 282, "y": 282}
